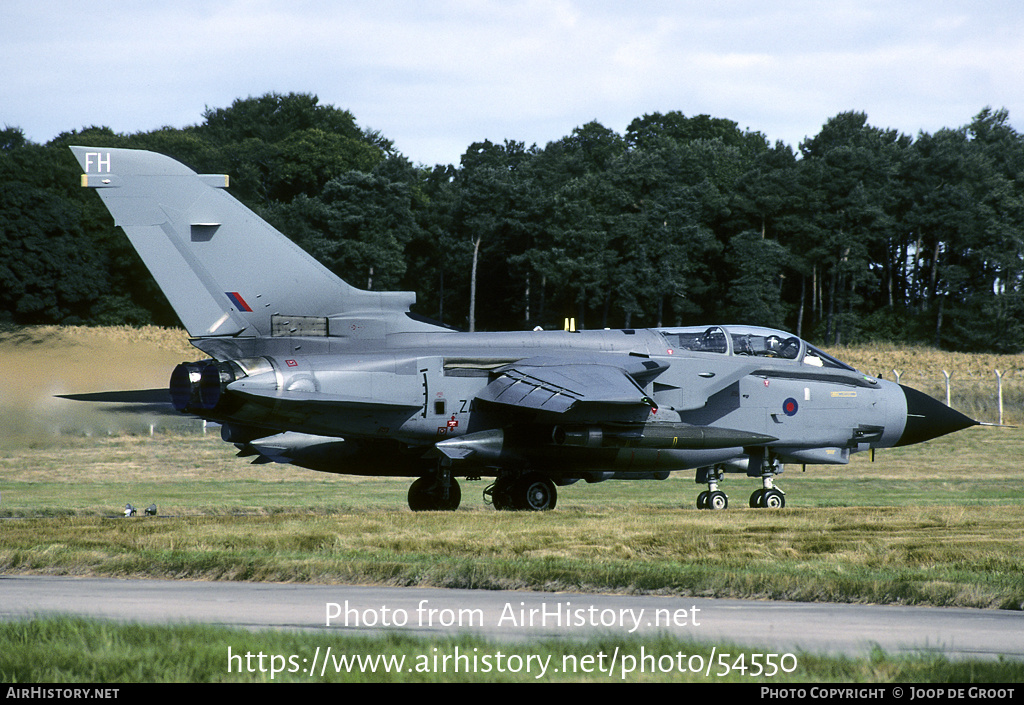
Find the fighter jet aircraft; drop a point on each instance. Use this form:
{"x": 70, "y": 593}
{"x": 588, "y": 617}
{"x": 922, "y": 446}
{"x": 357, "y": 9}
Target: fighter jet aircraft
{"x": 302, "y": 368}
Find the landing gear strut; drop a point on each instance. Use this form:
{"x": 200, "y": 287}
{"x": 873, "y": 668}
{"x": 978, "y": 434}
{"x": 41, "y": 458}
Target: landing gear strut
{"x": 713, "y": 498}
{"x": 769, "y": 496}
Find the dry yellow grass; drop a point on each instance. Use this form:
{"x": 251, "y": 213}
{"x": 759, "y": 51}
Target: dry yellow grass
{"x": 921, "y": 362}
{"x": 973, "y": 384}
{"x": 41, "y": 362}
{"x": 47, "y": 360}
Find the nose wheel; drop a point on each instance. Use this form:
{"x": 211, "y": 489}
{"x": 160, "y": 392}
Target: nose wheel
{"x": 772, "y": 498}
{"x": 712, "y": 498}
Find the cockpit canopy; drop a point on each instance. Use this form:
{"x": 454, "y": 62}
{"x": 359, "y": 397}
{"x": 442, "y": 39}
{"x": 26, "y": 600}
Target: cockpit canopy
{"x": 750, "y": 341}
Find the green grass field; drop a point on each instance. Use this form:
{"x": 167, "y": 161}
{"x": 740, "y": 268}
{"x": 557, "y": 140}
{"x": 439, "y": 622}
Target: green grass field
{"x": 936, "y": 525}
{"x": 75, "y": 650}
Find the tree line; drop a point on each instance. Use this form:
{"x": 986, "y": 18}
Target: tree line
{"x": 860, "y": 233}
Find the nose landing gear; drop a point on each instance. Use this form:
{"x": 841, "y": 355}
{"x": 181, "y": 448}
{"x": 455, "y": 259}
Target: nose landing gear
{"x": 767, "y": 497}
{"x": 712, "y": 498}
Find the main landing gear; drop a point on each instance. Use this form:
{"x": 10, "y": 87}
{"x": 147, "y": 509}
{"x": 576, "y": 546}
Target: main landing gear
{"x": 767, "y": 497}
{"x": 437, "y": 492}
{"x": 528, "y": 492}
{"x": 440, "y": 492}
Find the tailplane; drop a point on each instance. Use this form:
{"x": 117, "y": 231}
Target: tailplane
{"x": 224, "y": 270}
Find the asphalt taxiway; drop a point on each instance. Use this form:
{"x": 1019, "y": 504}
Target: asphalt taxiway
{"x": 768, "y": 626}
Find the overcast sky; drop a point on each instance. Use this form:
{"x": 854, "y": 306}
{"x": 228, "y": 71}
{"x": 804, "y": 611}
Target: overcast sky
{"x": 435, "y": 76}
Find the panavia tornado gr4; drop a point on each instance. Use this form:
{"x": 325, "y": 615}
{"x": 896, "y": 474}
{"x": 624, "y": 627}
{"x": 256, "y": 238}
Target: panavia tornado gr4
{"x": 302, "y": 368}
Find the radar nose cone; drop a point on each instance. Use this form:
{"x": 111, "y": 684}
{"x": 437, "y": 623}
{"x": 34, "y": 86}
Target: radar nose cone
{"x": 929, "y": 418}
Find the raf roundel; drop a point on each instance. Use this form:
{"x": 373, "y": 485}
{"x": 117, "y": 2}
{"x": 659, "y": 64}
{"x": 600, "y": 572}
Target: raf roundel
{"x": 790, "y": 407}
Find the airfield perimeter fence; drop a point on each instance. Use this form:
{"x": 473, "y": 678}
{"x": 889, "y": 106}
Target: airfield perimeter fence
{"x": 987, "y": 387}
{"x": 997, "y": 397}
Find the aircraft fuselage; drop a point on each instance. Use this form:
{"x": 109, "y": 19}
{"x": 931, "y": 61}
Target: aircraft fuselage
{"x": 419, "y": 389}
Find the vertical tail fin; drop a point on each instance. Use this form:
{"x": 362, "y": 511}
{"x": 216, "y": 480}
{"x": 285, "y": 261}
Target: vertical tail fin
{"x": 225, "y": 271}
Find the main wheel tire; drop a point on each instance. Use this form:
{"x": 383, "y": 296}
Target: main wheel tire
{"x": 426, "y": 495}
{"x": 773, "y": 499}
{"x": 534, "y": 493}
{"x": 501, "y": 495}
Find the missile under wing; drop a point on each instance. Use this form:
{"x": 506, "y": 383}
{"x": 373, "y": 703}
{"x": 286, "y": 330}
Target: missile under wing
{"x": 300, "y": 367}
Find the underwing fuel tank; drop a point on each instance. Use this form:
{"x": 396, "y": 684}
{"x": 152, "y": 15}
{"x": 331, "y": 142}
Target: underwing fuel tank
{"x": 658, "y": 435}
